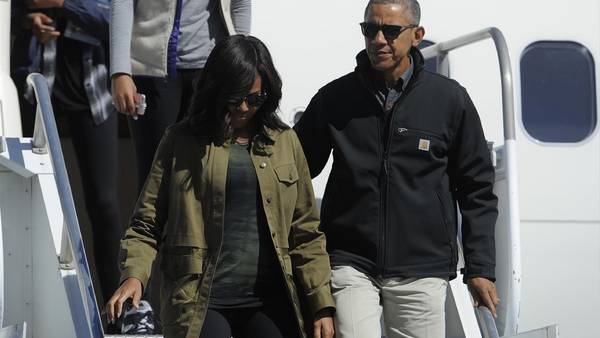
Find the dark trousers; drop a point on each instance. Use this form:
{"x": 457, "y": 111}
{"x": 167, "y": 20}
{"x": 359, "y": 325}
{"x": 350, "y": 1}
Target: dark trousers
{"x": 168, "y": 101}
{"x": 96, "y": 150}
{"x": 269, "y": 321}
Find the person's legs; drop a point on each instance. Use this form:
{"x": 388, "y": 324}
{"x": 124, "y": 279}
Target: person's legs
{"x": 163, "y": 100}
{"x": 276, "y": 318}
{"x": 414, "y": 307}
{"x": 358, "y": 308}
{"x": 189, "y": 78}
{"x": 259, "y": 325}
{"x": 215, "y": 325}
{"x": 96, "y": 149}
{"x": 260, "y": 322}
{"x": 27, "y": 109}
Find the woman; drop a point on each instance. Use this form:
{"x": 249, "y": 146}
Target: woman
{"x": 229, "y": 205}
{"x": 146, "y": 59}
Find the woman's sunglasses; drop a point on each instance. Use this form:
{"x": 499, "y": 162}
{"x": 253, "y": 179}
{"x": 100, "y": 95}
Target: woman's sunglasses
{"x": 254, "y": 100}
{"x": 390, "y": 32}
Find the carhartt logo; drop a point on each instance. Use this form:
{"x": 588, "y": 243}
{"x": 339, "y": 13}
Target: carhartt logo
{"x": 423, "y": 144}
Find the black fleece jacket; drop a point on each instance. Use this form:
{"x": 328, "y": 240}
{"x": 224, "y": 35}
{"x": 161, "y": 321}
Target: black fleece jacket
{"x": 389, "y": 208}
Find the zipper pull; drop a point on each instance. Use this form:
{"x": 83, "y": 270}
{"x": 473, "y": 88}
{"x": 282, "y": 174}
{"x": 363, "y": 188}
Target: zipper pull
{"x": 402, "y": 130}
{"x": 385, "y": 166}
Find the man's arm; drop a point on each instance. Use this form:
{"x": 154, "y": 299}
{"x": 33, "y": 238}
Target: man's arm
{"x": 472, "y": 175}
{"x": 313, "y": 132}
{"x": 241, "y": 15}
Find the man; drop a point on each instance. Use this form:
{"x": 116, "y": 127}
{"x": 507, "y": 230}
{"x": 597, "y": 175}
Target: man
{"x": 407, "y": 145}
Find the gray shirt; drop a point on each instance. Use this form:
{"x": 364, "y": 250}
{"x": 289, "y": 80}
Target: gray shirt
{"x": 201, "y": 25}
{"x": 388, "y": 96}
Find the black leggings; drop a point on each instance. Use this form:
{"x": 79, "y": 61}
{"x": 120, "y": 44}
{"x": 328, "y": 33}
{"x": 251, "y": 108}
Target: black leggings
{"x": 168, "y": 101}
{"x": 261, "y": 322}
{"x": 96, "y": 147}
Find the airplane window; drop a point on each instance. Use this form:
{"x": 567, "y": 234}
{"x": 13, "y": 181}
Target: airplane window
{"x": 430, "y": 64}
{"x": 558, "y": 91}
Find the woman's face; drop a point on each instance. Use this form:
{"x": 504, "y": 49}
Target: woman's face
{"x": 243, "y": 111}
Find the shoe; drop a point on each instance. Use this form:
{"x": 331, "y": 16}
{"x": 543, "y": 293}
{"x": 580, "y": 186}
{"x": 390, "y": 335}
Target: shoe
{"x": 112, "y": 329}
{"x": 138, "y": 321}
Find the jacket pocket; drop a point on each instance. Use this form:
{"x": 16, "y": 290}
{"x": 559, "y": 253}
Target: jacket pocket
{"x": 287, "y": 173}
{"x": 178, "y": 265}
{"x": 447, "y": 227}
{"x": 182, "y": 268}
{"x": 402, "y": 130}
{"x": 423, "y": 142}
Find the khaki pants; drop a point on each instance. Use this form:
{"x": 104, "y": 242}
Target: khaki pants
{"x": 411, "y": 307}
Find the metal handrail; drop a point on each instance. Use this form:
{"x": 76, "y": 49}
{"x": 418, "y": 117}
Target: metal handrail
{"x": 508, "y": 106}
{"x": 441, "y": 51}
{"x": 488, "y": 324}
{"x": 2, "y": 140}
{"x": 46, "y": 139}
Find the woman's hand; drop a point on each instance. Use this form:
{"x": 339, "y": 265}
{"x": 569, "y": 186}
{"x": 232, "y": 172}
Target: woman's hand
{"x": 124, "y": 93}
{"x": 131, "y": 288}
{"x": 323, "y": 327}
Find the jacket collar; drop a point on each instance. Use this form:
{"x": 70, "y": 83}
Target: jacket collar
{"x": 364, "y": 68}
{"x": 260, "y": 145}
{"x": 264, "y": 147}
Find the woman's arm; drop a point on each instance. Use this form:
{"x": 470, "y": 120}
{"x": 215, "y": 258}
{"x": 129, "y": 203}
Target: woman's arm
{"x": 123, "y": 88}
{"x": 121, "y": 25}
{"x": 307, "y": 243}
{"x": 141, "y": 241}
{"x": 241, "y": 15}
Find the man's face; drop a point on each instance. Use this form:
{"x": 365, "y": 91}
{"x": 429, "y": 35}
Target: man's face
{"x": 390, "y": 54}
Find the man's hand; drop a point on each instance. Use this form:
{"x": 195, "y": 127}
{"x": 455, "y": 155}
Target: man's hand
{"x": 39, "y": 4}
{"x": 124, "y": 93}
{"x": 40, "y": 25}
{"x": 484, "y": 293}
{"x": 131, "y": 288}
{"x": 323, "y": 327}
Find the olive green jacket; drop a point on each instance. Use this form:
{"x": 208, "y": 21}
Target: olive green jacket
{"x": 180, "y": 215}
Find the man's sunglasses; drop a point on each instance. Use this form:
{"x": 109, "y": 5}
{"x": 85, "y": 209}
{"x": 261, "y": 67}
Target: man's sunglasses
{"x": 254, "y": 100}
{"x": 390, "y": 32}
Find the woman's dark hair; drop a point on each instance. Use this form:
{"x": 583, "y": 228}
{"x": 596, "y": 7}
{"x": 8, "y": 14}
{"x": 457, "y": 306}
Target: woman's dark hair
{"x": 228, "y": 75}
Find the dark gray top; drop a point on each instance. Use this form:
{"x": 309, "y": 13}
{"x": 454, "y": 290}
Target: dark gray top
{"x": 246, "y": 265}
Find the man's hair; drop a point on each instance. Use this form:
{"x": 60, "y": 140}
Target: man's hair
{"x": 411, "y": 7}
